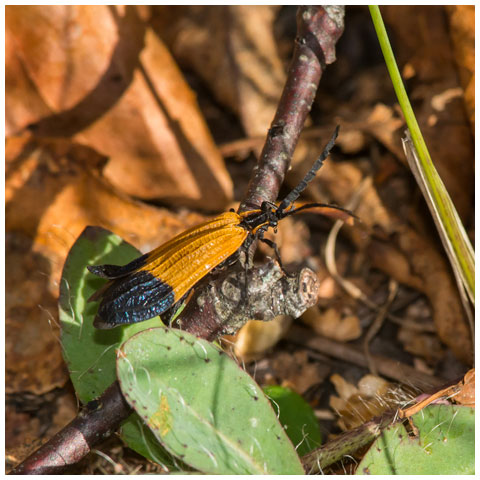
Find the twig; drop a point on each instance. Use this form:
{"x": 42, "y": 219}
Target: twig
{"x": 345, "y": 444}
{"x": 224, "y": 307}
{"x": 318, "y": 29}
{"x": 376, "y": 325}
{"x": 96, "y": 421}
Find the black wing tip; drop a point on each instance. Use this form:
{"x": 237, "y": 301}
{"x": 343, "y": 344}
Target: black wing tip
{"x": 116, "y": 271}
{"x": 99, "y": 270}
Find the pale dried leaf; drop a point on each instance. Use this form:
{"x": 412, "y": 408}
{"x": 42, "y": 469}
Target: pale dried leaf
{"x": 233, "y": 49}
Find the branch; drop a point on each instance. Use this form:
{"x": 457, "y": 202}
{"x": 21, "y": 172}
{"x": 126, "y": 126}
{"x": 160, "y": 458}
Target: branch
{"x": 318, "y": 29}
{"x": 96, "y": 421}
{"x": 230, "y": 300}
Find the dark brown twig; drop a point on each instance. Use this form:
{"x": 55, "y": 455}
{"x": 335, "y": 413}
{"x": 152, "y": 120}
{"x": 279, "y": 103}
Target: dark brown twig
{"x": 96, "y": 421}
{"x": 376, "y": 325}
{"x": 318, "y": 29}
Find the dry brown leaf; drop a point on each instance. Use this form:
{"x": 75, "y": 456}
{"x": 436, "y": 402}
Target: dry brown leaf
{"x": 423, "y": 41}
{"x": 328, "y": 287}
{"x": 341, "y": 180}
{"x": 110, "y": 82}
{"x": 352, "y": 140}
{"x": 466, "y": 394}
{"x": 421, "y": 344}
{"x": 333, "y": 324}
{"x": 420, "y": 38}
{"x": 158, "y": 140}
{"x": 23, "y": 103}
{"x": 450, "y": 143}
{"x": 233, "y": 49}
{"x": 357, "y": 405}
{"x": 385, "y": 125}
{"x": 462, "y": 32}
{"x": 295, "y": 371}
{"x": 256, "y": 337}
{"x": 55, "y": 188}
{"x": 66, "y": 50}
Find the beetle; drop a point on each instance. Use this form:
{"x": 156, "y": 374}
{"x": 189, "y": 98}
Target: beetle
{"x": 156, "y": 281}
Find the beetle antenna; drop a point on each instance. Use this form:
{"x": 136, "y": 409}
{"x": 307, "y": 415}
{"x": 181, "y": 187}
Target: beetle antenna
{"x": 295, "y": 193}
{"x": 320, "y": 205}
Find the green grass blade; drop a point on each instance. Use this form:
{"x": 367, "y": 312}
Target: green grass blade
{"x": 451, "y": 230}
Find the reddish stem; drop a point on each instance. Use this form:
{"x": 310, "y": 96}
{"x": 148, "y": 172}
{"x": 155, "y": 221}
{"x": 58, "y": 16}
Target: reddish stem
{"x": 318, "y": 29}
{"x": 96, "y": 421}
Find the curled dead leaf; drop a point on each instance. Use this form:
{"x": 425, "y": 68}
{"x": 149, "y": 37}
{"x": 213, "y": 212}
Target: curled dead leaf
{"x": 108, "y": 81}
{"x": 332, "y": 324}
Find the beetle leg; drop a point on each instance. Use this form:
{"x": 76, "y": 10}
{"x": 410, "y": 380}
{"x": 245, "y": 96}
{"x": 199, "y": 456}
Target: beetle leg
{"x": 274, "y": 247}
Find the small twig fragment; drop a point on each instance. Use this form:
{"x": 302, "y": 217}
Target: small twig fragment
{"x": 97, "y": 420}
{"x": 377, "y": 324}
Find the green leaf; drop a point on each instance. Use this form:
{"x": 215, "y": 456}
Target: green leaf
{"x": 202, "y": 406}
{"x": 297, "y": 418}
{"x": 445, "y": 445}
{"x": 90, "y": 353}
{"x": 140, "y": 438}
